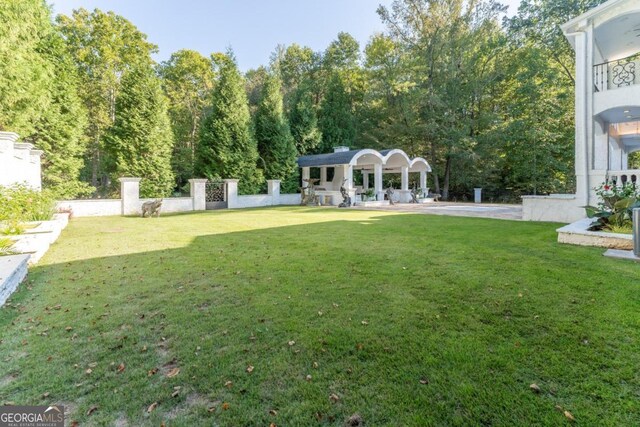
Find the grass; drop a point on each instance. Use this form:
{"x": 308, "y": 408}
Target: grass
{"x": 407, "y": 319}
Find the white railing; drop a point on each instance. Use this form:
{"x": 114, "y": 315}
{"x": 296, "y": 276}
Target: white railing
{"x": 620, "y": 177}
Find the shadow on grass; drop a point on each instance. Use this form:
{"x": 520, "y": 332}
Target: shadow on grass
{"x": 408, "y": 319}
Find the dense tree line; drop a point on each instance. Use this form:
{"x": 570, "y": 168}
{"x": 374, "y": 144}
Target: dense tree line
{"x": 487, "y": 100}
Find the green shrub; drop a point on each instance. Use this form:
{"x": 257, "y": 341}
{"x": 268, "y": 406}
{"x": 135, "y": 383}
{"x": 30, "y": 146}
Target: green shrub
{"x": 19, "y": 203}
{"x": 615, "y": 208}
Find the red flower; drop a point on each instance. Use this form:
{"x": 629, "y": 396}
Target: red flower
{"x": 606, "y": 188}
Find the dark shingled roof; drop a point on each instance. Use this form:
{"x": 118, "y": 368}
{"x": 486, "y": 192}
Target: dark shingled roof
{"x": 340, "y": 158}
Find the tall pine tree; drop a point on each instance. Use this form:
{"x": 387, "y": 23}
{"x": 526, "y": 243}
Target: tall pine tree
{"x": 140, "y": 141}
{"x": 275, "y": 143}
{"x": 336, "y": 117}
{"x": 303, "y": 120}
{"x": 227, "y": 148}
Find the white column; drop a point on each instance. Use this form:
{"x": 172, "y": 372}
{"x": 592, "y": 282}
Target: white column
{"x": 35, "y": 169}
{"x": 348, "y": 175}
{"x": 423, "y": 182}
{"x": 306, "y": 173}
{"x": 582, "y": 92}
{"x": 377, "y": 181}
{"x": 198, "y": 190}
{"x": 273, "y": 189}
{"x": 232, "y": 193}
{"x": 365, "y": 180}
{"x": 404, "y": 178}
{"x": 130, "y": 195}
{"x": 323, "y": 176}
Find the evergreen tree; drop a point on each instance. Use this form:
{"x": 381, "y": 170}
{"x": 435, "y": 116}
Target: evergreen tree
{"x": 140, "y": 140}
{"x": 25, "y": 74}
{"x": 104, "y": 47}
{"x": 336, "y": 117}
{"x": 303, "y": 120}
{"x": 227, "y": 148}
{"x": 275, "y": 143}
{"x": 187, "y": 78}
{"x": 59, "y": 132}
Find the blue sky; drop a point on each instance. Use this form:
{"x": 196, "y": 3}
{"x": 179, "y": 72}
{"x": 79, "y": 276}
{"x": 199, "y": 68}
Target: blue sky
{"x": 253, "y": 28}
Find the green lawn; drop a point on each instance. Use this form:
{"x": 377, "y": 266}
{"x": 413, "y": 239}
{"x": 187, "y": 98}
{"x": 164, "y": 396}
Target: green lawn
{"x": 406, "y": 319}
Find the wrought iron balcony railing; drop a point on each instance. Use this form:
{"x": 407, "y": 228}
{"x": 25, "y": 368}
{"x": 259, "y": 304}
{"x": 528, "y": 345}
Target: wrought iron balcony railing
{"x": 616, "y": 74}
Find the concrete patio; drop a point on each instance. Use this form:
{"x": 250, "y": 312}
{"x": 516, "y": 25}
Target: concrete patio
{"x": 484, "y": 210}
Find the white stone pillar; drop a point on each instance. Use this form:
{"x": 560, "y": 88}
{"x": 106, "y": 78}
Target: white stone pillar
{"x": 348, "y": 175}
{"x": 377, "y": 181}
{"x": 198, "y": 190}
{"x": 273, "y": 189}
{"x": 323, "y": 176}
{"x": 365, "y": 180}
{"x": 232, "y": 193}
{"x": 423, "y": 182}
{"x": 130, "y": 195}
{"x": 306, "y": 173}
{"x": 35, "y": 169}
{"x": 404, "y": 178}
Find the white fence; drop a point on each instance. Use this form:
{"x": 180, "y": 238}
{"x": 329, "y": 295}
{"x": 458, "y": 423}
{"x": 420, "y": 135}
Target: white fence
{"x": 130, "y": 202}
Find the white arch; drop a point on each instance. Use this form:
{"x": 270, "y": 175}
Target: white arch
{"x": 367, "y": 151}
{"x": 418, "y": 164}
{"x": 397, "y": 152}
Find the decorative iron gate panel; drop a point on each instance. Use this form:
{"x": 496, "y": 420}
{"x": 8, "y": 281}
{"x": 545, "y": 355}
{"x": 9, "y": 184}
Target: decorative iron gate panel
{"x": 216, "y": 195}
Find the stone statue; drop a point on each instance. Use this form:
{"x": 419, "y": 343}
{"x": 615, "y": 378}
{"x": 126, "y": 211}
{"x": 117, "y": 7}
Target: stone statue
{"x": 389, "y": 193}
{"x": 346, "y": 199}
{"x": 151, "y": 208}
{"x": 308, "y": 194}
{"x": 414, "y": 195}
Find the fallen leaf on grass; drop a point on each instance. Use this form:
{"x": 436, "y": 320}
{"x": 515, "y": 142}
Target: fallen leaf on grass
{"x": 45, "y": 395}
{"x": 152, "y": 407}
{"x": 172, "y": 373}
{"x": 273, "y": 412}
{"x": 569, "y": 416}
{"x": 364, "y": 322}
{"x": 291, "y": 343}
{"x": 272, "y": 425}
{"x": 228, "y": 384}
{"x": 175, "y": 393}
{"x": 144, "y": 348}
{"x": 121, "y": 368}
{"x": 88, "y": 371}
{"x": 68, "y": 328}
{"x": 225, "y": 406}
{"x": 308, "y": 378}
{"x": 424, "y": 380}
{"x": 315, "y": 365}
{"x": 355, "y": 420}
{"x": 74, "y": 423}
{"x": 535, "y": 388}
{"x": 334, "y": 397}
{"x": 91, "y": 410}
{"x": 152, "y": 372}
{"x": 211, "y": 409}
{"x": 249, "y": 369}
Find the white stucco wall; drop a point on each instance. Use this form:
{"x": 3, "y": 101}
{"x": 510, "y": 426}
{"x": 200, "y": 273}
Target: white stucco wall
{"x": 564, "y": 208}
{"x": 99, "y": 207}
{"x": 290, "y": 199}
{"x": 171, "y": 205}
{"x": 19, "y": 162}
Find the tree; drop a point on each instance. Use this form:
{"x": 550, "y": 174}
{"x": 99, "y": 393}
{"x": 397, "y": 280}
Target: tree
{"x": 303, "y": 120}
{"x": 336, "y": 117}
{"x": 140, "y": 140}
{"x": 25, "y": 73}
{"x": 275, "y": 143}
{"x": 187, "y": 78}
{"x": 227, "y": 148}
{"x": 59, "y": 131}
{"x": 104, "y": 47}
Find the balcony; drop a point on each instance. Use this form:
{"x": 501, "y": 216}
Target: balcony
{"x": 616, "y": 74}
